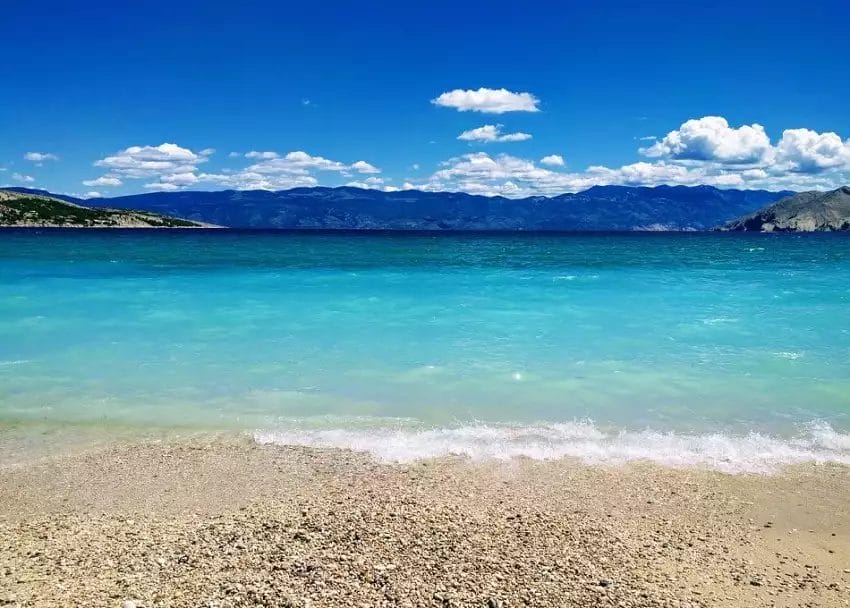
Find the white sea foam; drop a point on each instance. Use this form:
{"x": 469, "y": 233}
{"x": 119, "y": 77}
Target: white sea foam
{"x": 751, "y": 453}
{"x": 14, "y": 362}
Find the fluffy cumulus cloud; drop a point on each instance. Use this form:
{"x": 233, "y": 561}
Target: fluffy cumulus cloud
{"x": 274, "y": 171}
{"x": 370, "y": 182}
{"x": 712, "y": 139}
{"x": 705, "y": 150}
{"x": 488, "y": 101}
{"x": 302, "y": 163}
{"x": 800, "y": 161}
{"x": 716, "y": 153}
{"x": 169, "y": 167}
{"x": 480, "y": 173}
{"x": 491, "y": 133}
{"x": 253, "y": 154}
{"x": 361, "y": 166}
{"x": 24, "y": 179}
{"x": 807, "y": 151}
{"x": 40, "y": 157}
{"x": 161, "y": 164}
{"x": 104, "y": 180}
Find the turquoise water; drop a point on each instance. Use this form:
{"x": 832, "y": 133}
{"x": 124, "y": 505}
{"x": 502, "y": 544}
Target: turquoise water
{"x": 726, "y": 350}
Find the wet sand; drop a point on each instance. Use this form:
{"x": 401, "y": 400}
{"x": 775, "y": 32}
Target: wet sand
{"x": 220, "y": 522}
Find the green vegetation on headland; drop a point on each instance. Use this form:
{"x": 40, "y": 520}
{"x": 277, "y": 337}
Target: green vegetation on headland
{"x": 29, "y": 210}
{"x": 803, "y": 212}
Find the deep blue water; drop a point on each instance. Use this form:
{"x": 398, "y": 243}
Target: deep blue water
{"x": 713, "y": 348}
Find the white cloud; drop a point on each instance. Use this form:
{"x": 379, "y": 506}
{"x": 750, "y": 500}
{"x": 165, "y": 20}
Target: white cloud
{"x": 710, "y": 138}
{"x": 250, "y": 180}
{"x": 179, "y": 179}
{"x": 369, "y": 182}
{"x": 258, "y": 155}
{"x": 648, "y": 138}
{"x": 701, "y": 151}
{"x": 294, "y": 163}
{"x": 40, "y": 157}
{"x": 506, "y": 175}
{"x": 25, "y": 179}
{"x": 170, "y": 165}
{"x": 480, "y": 173}
{"x": 92, "y": 194}
{"x": 489, "y": 101}
{"x": 147, "y": 161}
{"x": 273, "y": 171}
{"x": 105, "y": 180}
{"x": 491, "y": 133}
{"x": 361, "y": 166}
{"x": 234, "y": 155}
{"x": 301, "y": 160}
{"x": 808, "y": 151}
{"x": 162, "y": 187}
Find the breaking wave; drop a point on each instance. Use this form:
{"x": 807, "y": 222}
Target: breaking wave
{"x": 754, "y": 452}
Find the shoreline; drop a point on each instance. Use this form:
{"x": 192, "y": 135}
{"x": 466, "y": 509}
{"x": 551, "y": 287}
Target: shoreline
{"x": 223, "y": 521}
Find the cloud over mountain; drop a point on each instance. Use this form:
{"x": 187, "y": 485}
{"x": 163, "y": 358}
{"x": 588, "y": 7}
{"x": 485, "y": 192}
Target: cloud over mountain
{"x": 712, "y": 139}
{"x": 705, "y": 150}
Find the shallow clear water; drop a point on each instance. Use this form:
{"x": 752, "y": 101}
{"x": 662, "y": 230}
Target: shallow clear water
{"x": 730, "y": 350}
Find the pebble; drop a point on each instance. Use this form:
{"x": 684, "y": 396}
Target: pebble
{"x": 374, "y": 536}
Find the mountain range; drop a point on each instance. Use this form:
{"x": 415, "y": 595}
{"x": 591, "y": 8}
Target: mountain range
{"x": 598, "y": 208}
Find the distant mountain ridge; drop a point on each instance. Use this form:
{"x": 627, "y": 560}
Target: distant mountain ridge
{"x": 346, "y": 208}
{"x": 803, "y": 212}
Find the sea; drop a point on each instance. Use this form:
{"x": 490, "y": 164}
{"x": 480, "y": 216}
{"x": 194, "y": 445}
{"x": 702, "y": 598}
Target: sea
{"x": 723, "y": 351}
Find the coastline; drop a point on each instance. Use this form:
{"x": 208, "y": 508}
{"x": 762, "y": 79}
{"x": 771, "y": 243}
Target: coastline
{"x": 222, "y": 521}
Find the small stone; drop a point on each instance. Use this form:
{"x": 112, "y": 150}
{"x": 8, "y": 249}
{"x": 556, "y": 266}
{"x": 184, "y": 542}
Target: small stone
{"x": 755, "y": 582}
{"x": 129, "y": 604}
{"x": 605, "y": 582}
{"x": 494, "y": 603}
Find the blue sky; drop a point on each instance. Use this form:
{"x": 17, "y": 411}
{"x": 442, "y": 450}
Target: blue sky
{"x": 116, "y": 98}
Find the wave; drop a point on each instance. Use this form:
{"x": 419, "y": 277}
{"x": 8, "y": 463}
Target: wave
{"x": 14, "y": 362}
{"x": 753, "y": 452}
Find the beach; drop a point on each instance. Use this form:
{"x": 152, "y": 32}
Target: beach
{"x": 222, "y": 521}
{"x": 217, "y": 419}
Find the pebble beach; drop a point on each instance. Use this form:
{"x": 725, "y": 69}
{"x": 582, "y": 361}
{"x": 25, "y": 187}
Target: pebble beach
{"x": 223, "y": 522}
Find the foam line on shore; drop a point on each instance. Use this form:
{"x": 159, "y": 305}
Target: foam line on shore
{"x": 753, "y": 452}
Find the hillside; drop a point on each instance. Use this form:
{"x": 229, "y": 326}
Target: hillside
{"x": 599, "y": 208}
{"x": 803, "y": 212}
{"x": 35, "y": 210}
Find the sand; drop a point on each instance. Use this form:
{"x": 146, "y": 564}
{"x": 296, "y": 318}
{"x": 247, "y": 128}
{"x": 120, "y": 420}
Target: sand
{"x": 221, "y": 522}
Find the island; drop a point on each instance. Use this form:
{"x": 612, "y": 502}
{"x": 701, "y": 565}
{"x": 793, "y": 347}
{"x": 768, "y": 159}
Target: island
{"x": 803, "y": 212}
{"x": 25, "y": 210}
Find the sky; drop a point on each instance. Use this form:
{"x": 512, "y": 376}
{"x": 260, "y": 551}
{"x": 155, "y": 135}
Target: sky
{"x": 104, "y": 98}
